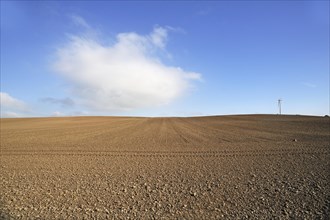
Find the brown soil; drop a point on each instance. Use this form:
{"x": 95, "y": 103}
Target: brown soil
{"x": 227, "y": 167}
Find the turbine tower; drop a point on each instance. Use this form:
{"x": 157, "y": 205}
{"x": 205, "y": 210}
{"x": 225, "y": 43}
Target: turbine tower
{"x": 279, "y": 102}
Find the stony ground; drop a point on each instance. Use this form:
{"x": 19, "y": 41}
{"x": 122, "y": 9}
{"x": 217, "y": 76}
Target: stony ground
{"x": 228, "y": 167}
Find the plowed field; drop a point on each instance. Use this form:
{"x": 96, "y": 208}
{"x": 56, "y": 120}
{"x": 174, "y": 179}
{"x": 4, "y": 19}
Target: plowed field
{"x": 219, "y": 167}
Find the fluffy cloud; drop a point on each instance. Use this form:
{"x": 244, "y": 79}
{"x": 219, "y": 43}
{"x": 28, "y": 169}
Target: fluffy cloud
{"x": 123, "y": 76}
{"x": 11, "y": 107}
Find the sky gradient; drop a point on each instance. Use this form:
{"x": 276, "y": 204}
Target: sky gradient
{"x": 164, "y": 58}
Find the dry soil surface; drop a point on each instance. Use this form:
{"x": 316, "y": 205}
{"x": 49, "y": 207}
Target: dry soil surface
{"x": 226, "y": 167}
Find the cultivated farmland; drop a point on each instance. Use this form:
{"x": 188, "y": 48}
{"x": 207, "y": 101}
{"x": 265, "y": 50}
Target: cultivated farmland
{"x": 216, "y": 167}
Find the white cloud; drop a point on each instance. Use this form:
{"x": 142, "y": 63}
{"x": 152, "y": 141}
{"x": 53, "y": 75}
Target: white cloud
{"x": 10, "y": 106}
{"x": 7, "y": 101}
{"x": 159, "y": 36}
{"x": 123, "y": 76}
{"x": 57, "y": 114}
{"x": 7, "y": 114}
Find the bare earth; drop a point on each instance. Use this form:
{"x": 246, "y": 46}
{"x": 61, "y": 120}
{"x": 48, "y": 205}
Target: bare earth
{"x": 226, "y": 167}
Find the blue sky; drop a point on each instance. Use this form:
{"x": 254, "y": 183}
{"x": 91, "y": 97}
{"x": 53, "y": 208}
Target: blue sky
{"x": 164, "y": 58}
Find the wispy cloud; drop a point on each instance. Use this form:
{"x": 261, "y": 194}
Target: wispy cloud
{"x": 65, "y": 102}
{"x": 79, "y": 21}
{"x": 310, "y": 85}
{"x": 12, "y": 107}
{"x": 8, "y": 101}
{"x": 126, "y": 75}
{"x": 158, "y": 37}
